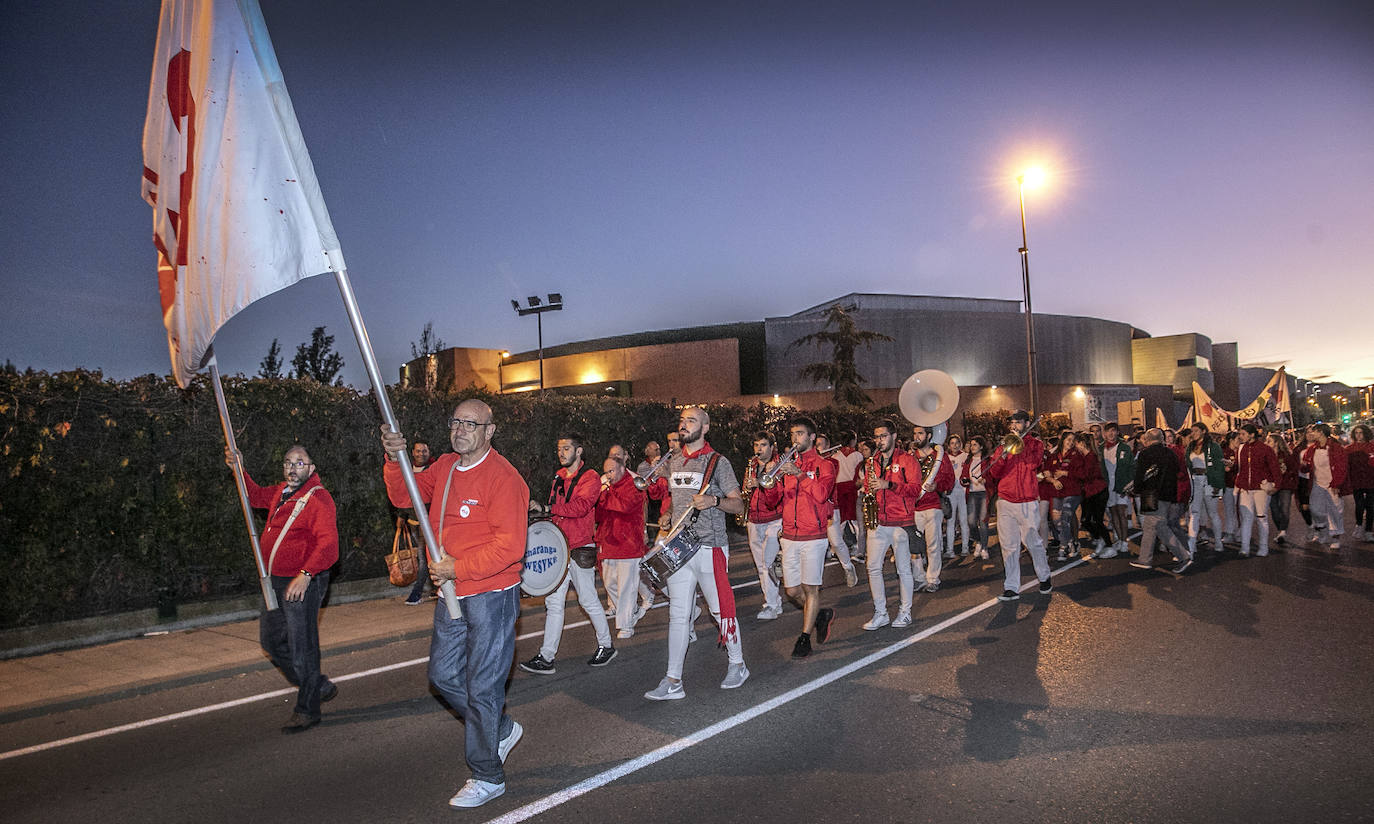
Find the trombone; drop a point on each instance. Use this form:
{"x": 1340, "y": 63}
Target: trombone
{"x": 641, "y": 482}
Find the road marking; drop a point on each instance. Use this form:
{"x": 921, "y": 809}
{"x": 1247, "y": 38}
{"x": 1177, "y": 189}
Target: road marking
{"x": 634, "y": 765}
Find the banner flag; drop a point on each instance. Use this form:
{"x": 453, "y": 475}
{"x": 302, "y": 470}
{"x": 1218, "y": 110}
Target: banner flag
{"x": 1216, "y": 419}
{"x": 1189, "y": 419}
{"x": 1272, "y": 404}
{"x": 237, "y": 211}
{"x": 1160, "y": 421}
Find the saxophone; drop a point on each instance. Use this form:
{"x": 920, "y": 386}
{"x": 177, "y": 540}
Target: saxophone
{"x": 869, "y": 499}
{"x": 749, "y": 475}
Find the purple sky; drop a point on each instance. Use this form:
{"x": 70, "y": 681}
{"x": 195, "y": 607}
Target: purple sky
{"x": 661, "y": 165}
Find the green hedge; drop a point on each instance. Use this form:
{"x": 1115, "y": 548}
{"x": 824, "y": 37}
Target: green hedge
{"x": 115, "y": 495}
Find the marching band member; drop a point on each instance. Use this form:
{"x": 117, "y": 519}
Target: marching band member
{"x": 620, "y": 542}
{"x": 808, "y": 483}
{"x": 699, "y": 478}
{"x": 894, "y": 480}
{"x": 849, "y": 459}
{"x": 930, "y": 513}
{"x": 1018, "y": 506}
{"x": 834, "y": 530}
{"x": 764, "y": 522}
{"x": 572, "y": 499}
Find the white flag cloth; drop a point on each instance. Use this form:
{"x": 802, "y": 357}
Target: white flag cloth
{"x": 1160, "y": 421}
{"x": 1216, "y": 419}
{"x": 237, "y": 212}
{"x": 1272, "y": 403}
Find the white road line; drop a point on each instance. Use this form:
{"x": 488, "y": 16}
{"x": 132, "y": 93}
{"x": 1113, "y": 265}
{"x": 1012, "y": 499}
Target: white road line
{"x": 602, "y": 779}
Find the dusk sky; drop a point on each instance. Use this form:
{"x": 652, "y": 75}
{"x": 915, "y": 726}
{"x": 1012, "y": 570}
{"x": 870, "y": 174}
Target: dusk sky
{"x": 1211, "y": 169}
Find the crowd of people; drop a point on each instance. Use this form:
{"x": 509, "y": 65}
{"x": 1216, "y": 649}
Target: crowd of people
{"x": 897, "y": 496}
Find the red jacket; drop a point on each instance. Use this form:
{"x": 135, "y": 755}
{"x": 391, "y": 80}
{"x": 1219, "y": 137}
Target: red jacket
{"x": 1094, "y": 481}
{"x": 484, "y": 523}
{"x": 1255, "y": 464}
{"x": 765, "y": 505}
{"x": 1289, "y": 465}
{"x": 807, "y": 499}
{"x": 1015, "y": 474}
{"x": 1360, "y": 469}
{"x": 573, "y": 504}
{"x": 312, "y": 542}
{"x": 942, "y": 483}
{"x": 1185, "y": 479}
{"x": 1229, "y": 455}
{"x": 1340, "y": 474}
{"x": 620, "y": 520}
{"x": 897, "y": 503}
{"x": 1075, "y": 464}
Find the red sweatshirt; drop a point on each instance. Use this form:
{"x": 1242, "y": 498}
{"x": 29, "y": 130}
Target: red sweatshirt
{"x": 1075, "y": 464}
{"x": 312, "y": 542}
{"x": 944, "y": 481}
{"x": 1339, "y": 463}
{"x": 897, "y": 503}
{"x": 765, "y": 505}
{"x": 620, "y": 520}
{"x": 485, "y": 520}
{"x": 1015, "y": 474}
{"x": 1255, "y": 464}
{"x": 573, "y": 503}
{"x": 806, "y": 498}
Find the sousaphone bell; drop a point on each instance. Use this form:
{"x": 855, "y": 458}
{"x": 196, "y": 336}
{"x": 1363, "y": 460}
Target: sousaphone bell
{"x": 929, "y": 398}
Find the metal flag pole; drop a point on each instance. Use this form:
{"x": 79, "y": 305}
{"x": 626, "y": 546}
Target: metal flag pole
{"x": 269, "y": 595}
{"x": 374, "y": 375}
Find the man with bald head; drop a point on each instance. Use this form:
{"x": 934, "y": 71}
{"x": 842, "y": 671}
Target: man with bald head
{"x": 1157, "y": 482}
{"x": 477, "y": 508}
{"x": 301, "y": 538}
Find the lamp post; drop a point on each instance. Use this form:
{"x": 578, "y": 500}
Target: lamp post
{"x": 537, "y": 308}
{"x": 1032, "y": 177}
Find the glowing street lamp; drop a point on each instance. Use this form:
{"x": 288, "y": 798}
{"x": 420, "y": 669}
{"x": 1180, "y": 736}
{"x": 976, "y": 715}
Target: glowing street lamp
{"x": 537, "y": 308}
{"x": 1031, "y": 177}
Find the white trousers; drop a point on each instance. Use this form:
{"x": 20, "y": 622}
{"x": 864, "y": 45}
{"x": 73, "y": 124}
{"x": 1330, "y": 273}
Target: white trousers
{"x": 1254, "y": 506}
{"x": 879, "y": 539}
{"x": 835, "y": 535}
{"x": 1229, "y": 511}
{"x": 1017, "y": 524}
{"x": 610, "y": 578}
{"x": 929, "y": 531}
{"x": 1204, "y": 503}
{"x": 1328, "y": 513}
{"x": 764, "y": 546}
{"x": 1042, "y": 526}
{"x": 621, "y": 577}
{"x": 699, "y": 572}
{"x": 958, "y": 519}
{"x": 584, "y": 582}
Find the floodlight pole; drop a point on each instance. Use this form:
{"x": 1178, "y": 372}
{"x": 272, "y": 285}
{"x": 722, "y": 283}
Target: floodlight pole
{"x": 1025, "y": 285}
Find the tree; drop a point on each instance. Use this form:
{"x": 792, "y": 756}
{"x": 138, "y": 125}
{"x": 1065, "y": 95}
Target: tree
{"x": 429, "y": 342}
{"x": 270, "y": 367}
{"x": 317, "y": 361}
{"x": 843, "y": 336}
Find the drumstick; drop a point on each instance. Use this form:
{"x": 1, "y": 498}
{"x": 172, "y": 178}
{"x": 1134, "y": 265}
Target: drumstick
{"x": 673, "y": 530}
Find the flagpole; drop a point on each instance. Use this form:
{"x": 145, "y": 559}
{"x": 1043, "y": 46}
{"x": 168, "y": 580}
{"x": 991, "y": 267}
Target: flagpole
{"x": 436, "y": 553}
{"x": 264, "y": 580}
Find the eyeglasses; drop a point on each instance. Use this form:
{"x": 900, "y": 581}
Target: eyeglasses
{"x": 295, "y": 464}
{"x": 466, "y": 426}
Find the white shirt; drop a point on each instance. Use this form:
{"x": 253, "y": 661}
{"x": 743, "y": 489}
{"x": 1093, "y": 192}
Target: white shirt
{"x": 1321, "y": 467}
{"x": 849, "y": 465}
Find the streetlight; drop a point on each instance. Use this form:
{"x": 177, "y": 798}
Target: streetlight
{"x": 1030, "y": 177}
{"x": 538, "y": 308}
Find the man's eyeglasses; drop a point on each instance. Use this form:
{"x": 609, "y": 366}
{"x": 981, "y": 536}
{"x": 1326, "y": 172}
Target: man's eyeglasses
{"x": 295, "y": 464}
{"x": 466, "y": 426}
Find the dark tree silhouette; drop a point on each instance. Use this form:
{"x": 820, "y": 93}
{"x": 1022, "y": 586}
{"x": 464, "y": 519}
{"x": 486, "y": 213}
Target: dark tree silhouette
{"x": 270, "y": 367}
{"x": 843, "y": 336}
{"x": 318, "y": 361}
{"x": 429, "y": 342}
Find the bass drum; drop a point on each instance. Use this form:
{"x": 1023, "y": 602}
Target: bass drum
{"x": 546, "y": 558}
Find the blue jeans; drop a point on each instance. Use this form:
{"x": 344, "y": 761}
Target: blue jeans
{"x": 1067, "y": 507}
{"x": 978, "y": 517}
{"x": 290, "y": 635}
{"x": 469, "y": 662}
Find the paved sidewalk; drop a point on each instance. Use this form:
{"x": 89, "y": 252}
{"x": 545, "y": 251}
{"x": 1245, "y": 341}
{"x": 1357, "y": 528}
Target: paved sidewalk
{"x": 69, "y": 675}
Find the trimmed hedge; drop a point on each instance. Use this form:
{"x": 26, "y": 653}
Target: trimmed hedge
{"x": 114, "y": 494}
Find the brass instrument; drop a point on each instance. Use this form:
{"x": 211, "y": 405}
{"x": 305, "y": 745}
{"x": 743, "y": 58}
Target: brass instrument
{"x": 869, "y": 499}
{"x": 770, "y": 478}
{"x": 928, "y": 398}
{"x": 829, "y": 449}
{"x": 642, "y": 481}
{"x": 749, "y": 474}
{"x": 1012, "y": 444}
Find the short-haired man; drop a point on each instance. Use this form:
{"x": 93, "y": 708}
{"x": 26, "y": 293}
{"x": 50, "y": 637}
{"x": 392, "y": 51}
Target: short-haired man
{"x": 1118, "y": 467}
{"x": 1257, "y": 476}
{"x": 808, "y": 487}
{"x": 697, "y": 478}
{"x": 764, "y": 521}
{"x": 929, "y": 516}
{"x": 894, "y": 480}
{"x": 480, "y": 519}
{"x": 1325, "y": 462}
{"x": 620, "y": 541}
{"x": 572, "y": 502}
{"x": 301, "y": 539}
{"x": 1018, "y": 506}
{"x": 1157, "y": 481}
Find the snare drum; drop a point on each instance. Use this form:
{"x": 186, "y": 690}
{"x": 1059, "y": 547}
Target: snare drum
{"x": 546, "y": 558}
{"x": 664, "y": 560}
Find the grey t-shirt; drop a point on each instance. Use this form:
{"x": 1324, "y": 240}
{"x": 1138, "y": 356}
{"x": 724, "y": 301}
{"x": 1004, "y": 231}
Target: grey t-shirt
{"x": 685, "y": 477}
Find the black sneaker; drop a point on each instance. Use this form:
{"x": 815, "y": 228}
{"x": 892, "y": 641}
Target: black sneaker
{"x": 603, "y": 657}
{"x": 802, "y": 647}
{"x": 538, "y": 665}
{"x": 1046, "y": 586}
{"x": 328, "y": 691}
{"x": 1183, "y": 567}
{"x": 1009, "y": 595}
{"x": 823, "y": 619}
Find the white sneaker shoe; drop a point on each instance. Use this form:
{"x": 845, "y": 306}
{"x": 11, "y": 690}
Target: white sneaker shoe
{"x": 769, "y": 613}
{"x": 735, "y": 676}
{"x": 1099, "y": 547}
{"x": 625, "y": 633}
{"x": 508, "y": 743}
{"x": 610, "y": 611}
{"x": 476, "y": 793}
{"x": 879, "y": 621}
{"x": 1110, "y": 552}
{"x": 903, "y": 620}
{"x": 666, "y": 691}
{"x": 850, "y": 576}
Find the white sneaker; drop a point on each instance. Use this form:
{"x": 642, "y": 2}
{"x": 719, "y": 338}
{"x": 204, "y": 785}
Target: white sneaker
{"x": 476, "y": 793}
{"x": 666, "y": 691}
{"x": 625, "y": 633}
{"x": 903, "y": 620}
{"x": 850, "y": 576}
{"x": 769, "y": 613}
{"x": 735, "y": 676}
{"x": 879, "y": 621}
{"x": 1109, "y": 552}
{"x": 1335, "y": 545}
{"x": 610, "y": 611}
{"x": 508, "y": 743}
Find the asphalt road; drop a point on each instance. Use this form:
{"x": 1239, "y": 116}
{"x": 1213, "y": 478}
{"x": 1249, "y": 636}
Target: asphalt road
{"x": 1239, "y": 692}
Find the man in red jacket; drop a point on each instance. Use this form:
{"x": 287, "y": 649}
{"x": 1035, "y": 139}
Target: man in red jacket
{"x": 572, "y": 501}
{"x": 764, "y": 521}
{"x": 929, "y": 516}
{"x": 893, "y": 478}
{"x": 1018, "y": 507}
{"x": 1257, "y": 476}
{"x": 620, "y": 541}
{"x": 301, "y": 539}
{"x": 480, "y": 519}
{"x": 808, "y": 485}
{"x": 1325, "y": 462}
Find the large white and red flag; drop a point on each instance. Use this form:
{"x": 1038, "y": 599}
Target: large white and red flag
{"x": 1272, "y": 404}
{"x": 1216, "y": 419}
{"x": 237, "y": 212}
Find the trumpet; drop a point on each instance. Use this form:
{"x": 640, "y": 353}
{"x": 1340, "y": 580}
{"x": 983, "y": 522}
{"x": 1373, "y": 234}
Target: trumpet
{"x": 642, "y": 481}
{"x": 768, "y": 479}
